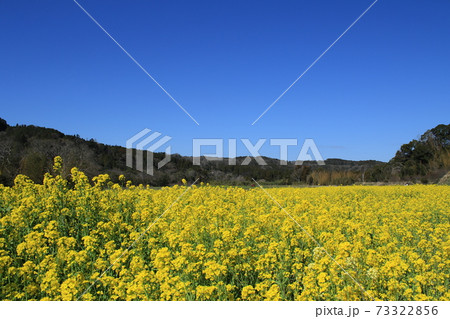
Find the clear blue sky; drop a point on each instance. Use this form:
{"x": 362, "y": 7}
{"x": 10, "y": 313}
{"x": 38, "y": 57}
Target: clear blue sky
{"x": 384, "y": 83}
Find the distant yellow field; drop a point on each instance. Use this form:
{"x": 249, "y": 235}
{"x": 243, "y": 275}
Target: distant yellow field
{"x": 218, "y": 243}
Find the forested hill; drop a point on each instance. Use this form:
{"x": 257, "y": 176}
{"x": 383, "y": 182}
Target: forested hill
{"x": 29, "y": 150}
{"x": 426, "y": 159}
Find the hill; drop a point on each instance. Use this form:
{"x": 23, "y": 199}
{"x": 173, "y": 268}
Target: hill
{"x": 424, "y": 160}
{"x": 29, "y": 150}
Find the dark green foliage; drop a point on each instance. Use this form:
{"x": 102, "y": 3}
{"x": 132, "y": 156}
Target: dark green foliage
{"x": 30, "y": 150}
{"x": 3, "y": 125}
{"x": 378, "y": 173}
{"x": 34, "y": 165}
{"x": 422, "y": 160}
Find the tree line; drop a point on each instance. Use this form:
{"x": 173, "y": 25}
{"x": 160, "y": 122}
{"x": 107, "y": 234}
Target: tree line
{"x": 29, "y": 150}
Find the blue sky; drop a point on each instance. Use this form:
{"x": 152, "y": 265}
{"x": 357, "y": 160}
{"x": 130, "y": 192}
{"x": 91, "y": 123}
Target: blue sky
{"x": 384, "y": 83}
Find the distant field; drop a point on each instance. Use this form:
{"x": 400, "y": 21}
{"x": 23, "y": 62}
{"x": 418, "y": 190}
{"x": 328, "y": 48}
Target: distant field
{"x": 222, "y": 243}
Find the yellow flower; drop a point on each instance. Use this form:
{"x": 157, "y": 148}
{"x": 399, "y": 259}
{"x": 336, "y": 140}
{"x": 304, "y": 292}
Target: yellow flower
{"x": 248, "y": 293}
{"x": 220, "y": 243}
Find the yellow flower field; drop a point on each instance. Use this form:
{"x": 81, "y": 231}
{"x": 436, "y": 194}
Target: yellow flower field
{"x": 221, "y": 243}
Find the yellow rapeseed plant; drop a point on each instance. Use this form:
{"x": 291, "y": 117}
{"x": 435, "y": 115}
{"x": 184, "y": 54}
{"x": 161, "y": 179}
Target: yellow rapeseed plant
{"x": 221, "y": 243}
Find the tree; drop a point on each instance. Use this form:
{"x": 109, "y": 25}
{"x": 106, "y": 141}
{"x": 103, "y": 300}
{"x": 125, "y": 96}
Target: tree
{"x": 3, "y": 125}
